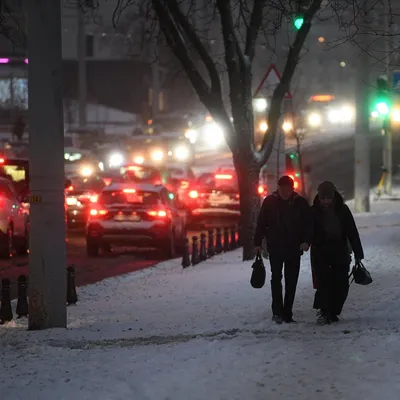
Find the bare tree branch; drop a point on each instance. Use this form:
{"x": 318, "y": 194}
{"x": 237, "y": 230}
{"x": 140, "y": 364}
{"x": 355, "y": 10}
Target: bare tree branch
{"x": 198, "y": 45}
{"x": 254, "y": 28}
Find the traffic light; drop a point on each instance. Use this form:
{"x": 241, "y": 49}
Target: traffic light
{"x": 298, "y": 21}
{"x": 382, "y": 104}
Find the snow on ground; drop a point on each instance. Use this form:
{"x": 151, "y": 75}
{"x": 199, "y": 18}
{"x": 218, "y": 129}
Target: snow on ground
{"x": 204, "y": 333}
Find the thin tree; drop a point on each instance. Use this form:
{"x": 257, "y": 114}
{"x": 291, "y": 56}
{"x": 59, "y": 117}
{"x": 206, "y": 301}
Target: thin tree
{"x": 242, "y": 27}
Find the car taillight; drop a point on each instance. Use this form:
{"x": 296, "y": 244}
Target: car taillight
{"x": 158, "y": 213}
{"x": 95, "y": 212}
{"x": 2, "y": 160}
{"x": 193, "y": 194}
{"x": 296, "y": 183}
{"x": 107, "y": 181}
{"x": 224, "y": 176}
{"x": 129, "y": 190}
{"x": 94, "y": 198}
{"x": 261, "y": 189}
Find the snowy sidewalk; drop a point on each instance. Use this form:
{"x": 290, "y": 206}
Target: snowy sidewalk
{"x": 204, "y": 334}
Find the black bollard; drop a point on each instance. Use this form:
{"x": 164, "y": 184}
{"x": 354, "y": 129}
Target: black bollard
{"x": 6, "y": 313}
{"x": 72, "y": 297}
{"x": 233, "y": 237}
{"x": 22, "y": 303}
{"x": 186, "y": 255}
{"x": 203, "y": 248}
{"x": 226, "y": 239}
{"x": 211, "y": 249}
{"x": 218, "y": 243}
{"x": 195, "y": 251}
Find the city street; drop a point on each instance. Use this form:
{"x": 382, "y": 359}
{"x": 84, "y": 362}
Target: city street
{"x": 89, "y": 270}
{"x": 329, "y": 154}
{"x": 205, "y": 333}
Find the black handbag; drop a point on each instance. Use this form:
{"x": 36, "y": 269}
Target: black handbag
{"x": 361, "y": 275}
{"x": 258, "y": 274}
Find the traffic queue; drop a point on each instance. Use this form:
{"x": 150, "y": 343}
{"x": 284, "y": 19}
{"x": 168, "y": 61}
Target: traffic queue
{"x": 141, "y": 204}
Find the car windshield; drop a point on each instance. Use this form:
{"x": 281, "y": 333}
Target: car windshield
{"x": 130, "y": 196}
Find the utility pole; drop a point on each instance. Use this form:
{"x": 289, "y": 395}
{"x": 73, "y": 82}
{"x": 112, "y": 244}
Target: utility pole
{"x": 82, "y": 83}
{"x": 362, "y": 179}
{"x": 387, "y": 138}
{"x": 47, "y": 259}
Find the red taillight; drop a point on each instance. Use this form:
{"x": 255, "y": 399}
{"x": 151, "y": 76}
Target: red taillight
{"x": 94, "y": 198}
{"x": 261, "y": 189}
{"x": 157, "y": 182}
{"x": 158, "y": 213}
{"x": 107, "y": 181}
{"x": 70, "y": 188}
{"x": 2, "y": 160}
{"x": 95, "y": 212}
{"x": 223, "y": 176}
{"x": 193, "y": 194}
{"x": 129, "y": 190}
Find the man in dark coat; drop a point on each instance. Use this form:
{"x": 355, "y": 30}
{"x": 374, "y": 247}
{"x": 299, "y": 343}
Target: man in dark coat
{"x": 285, "y": 221}
{"x": 334, "y": 228}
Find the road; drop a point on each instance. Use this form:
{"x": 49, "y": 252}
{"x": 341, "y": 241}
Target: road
{"x": 331, "y": 157}
{"x": 90, "y": 270}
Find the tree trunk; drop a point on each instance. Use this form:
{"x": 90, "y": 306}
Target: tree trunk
{"x": 248, "y": 178}
{"x": 301, "y": 168}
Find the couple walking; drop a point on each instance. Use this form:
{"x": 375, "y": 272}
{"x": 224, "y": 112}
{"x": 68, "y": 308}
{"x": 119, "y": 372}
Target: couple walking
{"x": 291, "y": 228}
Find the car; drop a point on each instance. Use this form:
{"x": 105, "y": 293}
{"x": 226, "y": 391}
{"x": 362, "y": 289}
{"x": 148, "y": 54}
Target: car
{"x": 140, "y": 215}
{"x": 80, "y": 194}
{"x": 14, "y": 221}
{"x": 215, "y": 196}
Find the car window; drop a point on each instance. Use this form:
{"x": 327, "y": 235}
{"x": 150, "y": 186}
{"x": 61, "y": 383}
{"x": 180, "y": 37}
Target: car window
{"x": 129, "y": 197}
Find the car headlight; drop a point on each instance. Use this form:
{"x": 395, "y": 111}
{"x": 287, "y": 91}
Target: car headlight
{"x": 260, "y": 105}
{"x": 138, "y": 160}
{"x": 347, "y": 113}
{"x": 213, "y": 135}
{"x": 157, "y": 155}
{"x": 86, "y": 171}
{"x": 396, "y": 116}
{"x": 116, "y": 160}
{"x": 334, "y": 116}
{"x": 314, "y": 120}
{"x": 287, "y": 126}
{"x": 191, "y": 135}
{"x": 182, "y": 153}
{"x": 263, "y": 127}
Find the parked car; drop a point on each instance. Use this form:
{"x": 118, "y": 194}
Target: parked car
{"x": 14, "y": 221}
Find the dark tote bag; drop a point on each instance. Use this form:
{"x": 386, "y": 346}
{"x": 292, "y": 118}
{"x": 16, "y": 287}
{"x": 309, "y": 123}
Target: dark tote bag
{"x": 360, "y": 274}
{"x": 258, "y": 274}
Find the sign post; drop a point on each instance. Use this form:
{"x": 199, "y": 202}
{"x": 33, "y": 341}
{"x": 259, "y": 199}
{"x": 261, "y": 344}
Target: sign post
{"x": 276, "y": 164}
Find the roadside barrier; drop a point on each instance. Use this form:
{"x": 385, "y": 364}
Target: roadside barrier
{"x": 220, "y": 240}
{"x": 6, "y": 314}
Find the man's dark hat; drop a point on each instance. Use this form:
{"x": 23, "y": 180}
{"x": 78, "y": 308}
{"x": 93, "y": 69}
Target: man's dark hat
{"x": 327, "y": 189}
{"x": 286, "y": 181}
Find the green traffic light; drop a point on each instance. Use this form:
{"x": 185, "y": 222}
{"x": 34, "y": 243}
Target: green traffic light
{"x": 298, "y": 22}
{"x": 292, "y": 156}
{"x": 382, "y": 108}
